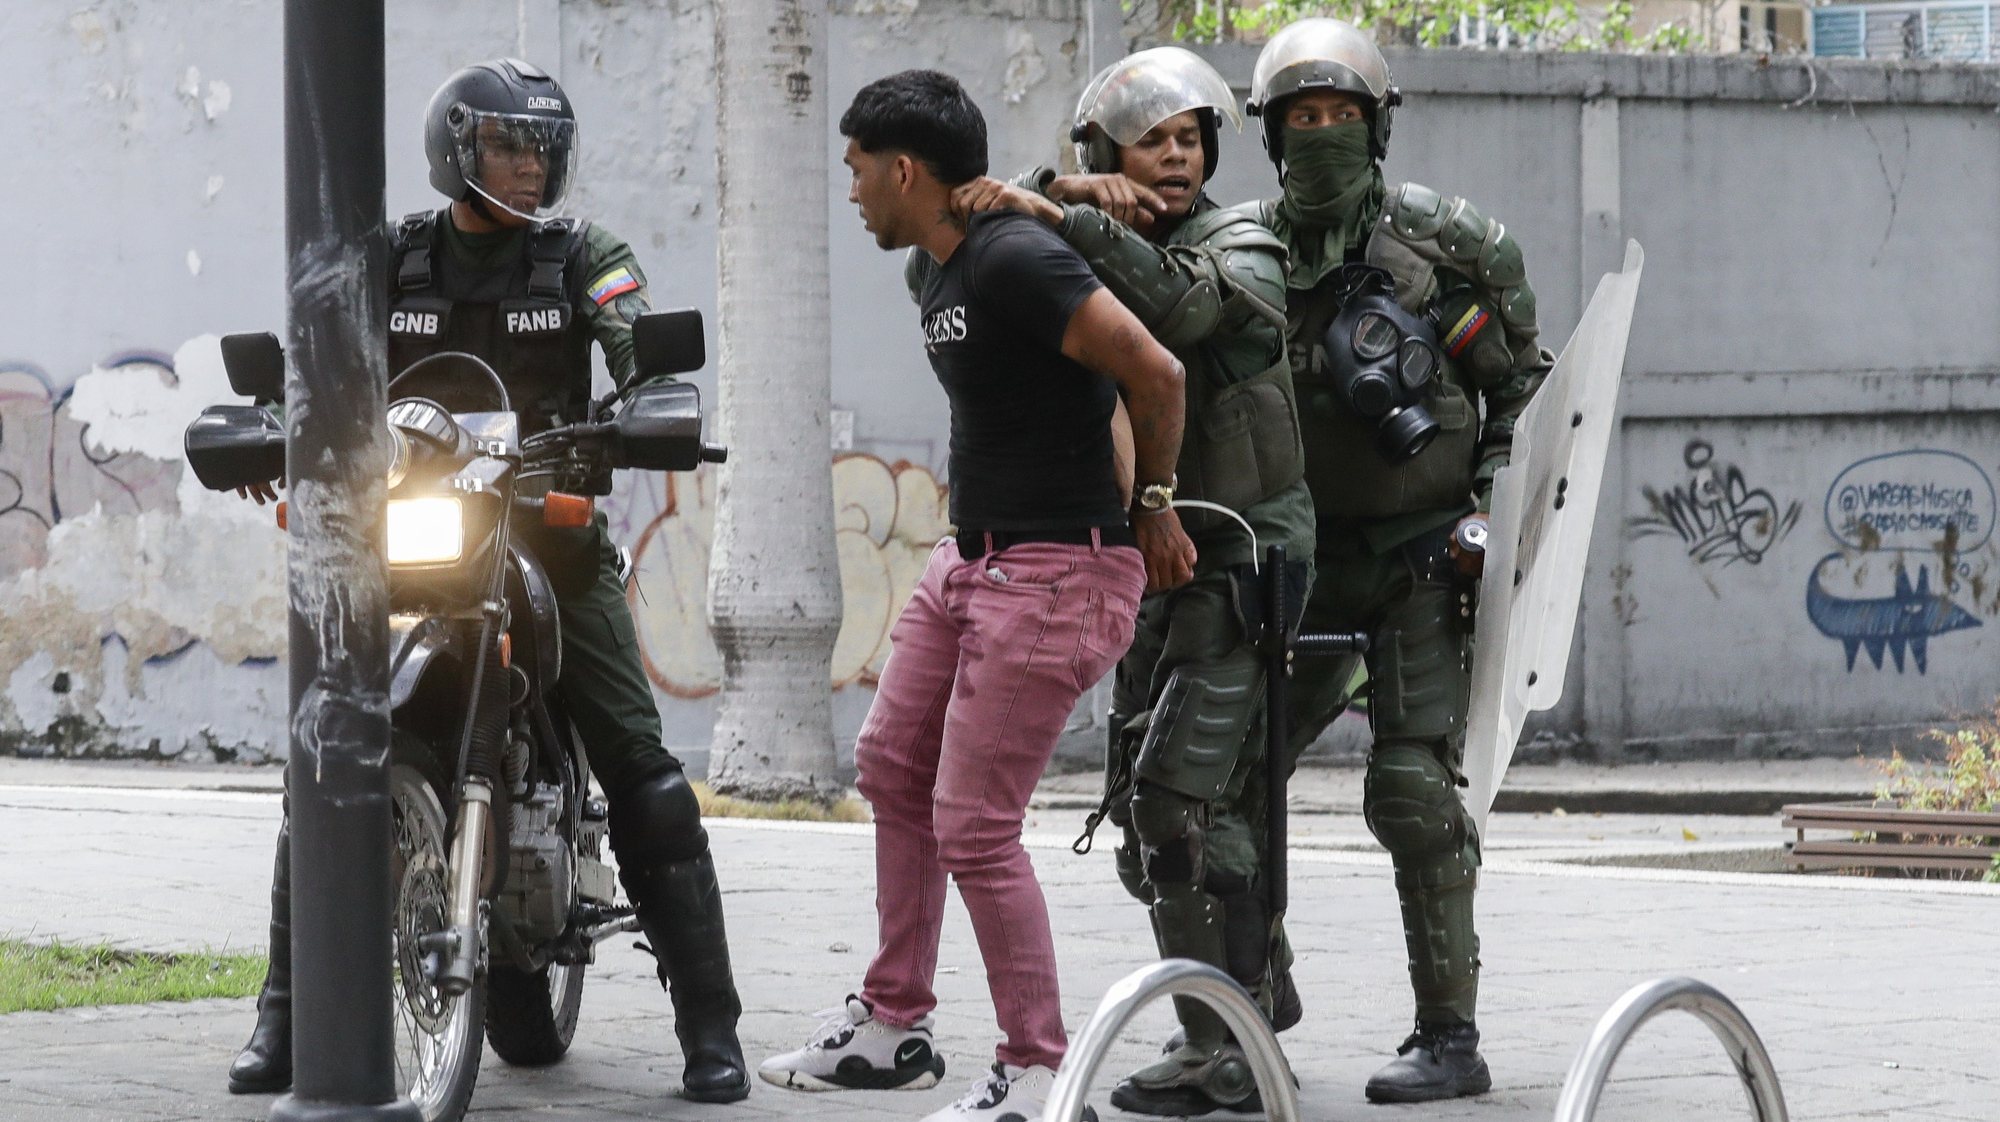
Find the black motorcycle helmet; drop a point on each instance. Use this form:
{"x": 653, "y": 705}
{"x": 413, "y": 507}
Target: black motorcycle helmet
{"x": 488, "y": 127}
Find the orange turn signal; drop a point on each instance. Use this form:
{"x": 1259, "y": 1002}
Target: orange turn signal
{"x": 567, "y": 512}
{"x": 281, "y": 515}
{"x": 506, "y": 649}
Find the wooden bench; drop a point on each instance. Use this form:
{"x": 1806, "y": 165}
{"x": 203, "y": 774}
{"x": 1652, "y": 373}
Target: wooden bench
{"x": 1893, "y": 829}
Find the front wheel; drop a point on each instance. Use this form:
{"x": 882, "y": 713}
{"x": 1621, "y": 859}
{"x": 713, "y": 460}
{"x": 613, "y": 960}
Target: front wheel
{"x": 437, "y": 1034}
{"x": 531, "y": 1014}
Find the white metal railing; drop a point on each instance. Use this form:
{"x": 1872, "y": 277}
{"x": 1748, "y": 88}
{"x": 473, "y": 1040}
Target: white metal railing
{"x": 1642, "y": 1003}
{"x": 1175, "y": 977}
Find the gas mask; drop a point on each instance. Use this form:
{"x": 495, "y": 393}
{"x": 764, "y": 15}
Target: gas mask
{"x": 1383, "y": 360}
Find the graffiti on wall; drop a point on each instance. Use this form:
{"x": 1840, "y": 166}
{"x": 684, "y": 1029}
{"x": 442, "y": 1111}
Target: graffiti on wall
{"x": 887, "y": 519}
{"x": 50, "y": 468}
{"x": 139, "y": 614}
{"x": 1714, "y": 512}
{"x": 1936, "y": 505}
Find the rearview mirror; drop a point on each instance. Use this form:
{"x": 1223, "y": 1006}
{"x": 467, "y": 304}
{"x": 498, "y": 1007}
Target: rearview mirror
{"x": 660, "y": 430}
{"x": 231, "y": 446}
{"x": 256, "y": 365}
{"x": 668, "y": 343}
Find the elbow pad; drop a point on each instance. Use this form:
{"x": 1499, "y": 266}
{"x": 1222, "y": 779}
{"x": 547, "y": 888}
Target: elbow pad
{"x": 1178, "y": 309}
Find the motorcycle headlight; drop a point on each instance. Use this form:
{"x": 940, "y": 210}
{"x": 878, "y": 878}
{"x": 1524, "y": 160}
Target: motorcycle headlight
{"x": 426, "y": 531}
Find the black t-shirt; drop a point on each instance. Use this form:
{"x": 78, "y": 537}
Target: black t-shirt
{"x": 1030, "y": 429}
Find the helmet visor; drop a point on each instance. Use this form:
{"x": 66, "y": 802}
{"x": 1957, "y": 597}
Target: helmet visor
{"x": 1131, "y": 96}
{"x": 1319, "y": 54}
{"x": 519, "y": 163}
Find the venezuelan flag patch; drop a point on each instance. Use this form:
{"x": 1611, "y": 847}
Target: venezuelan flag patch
{"x": 1465, "y": 330}
{"x": 611, "y": 285}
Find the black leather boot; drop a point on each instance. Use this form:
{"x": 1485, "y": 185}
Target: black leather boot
{"x": 265, "y": 1064}
{"x": 680, "y": 910}
{"x": 1438, "y": 1061}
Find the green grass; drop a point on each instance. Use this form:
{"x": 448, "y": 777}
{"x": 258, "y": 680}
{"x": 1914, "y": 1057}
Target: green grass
{"x": 790, "y": 810}
{"x": 37, "y": 977}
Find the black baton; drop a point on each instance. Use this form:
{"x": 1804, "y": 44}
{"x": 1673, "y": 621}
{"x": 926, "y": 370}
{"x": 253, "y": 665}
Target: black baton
{"x": 1278, "y": 649}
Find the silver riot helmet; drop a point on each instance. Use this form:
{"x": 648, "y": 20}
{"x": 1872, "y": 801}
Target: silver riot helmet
{"x": 502, "y": 133}
{"x": 1131, "y": 96}
{"x": 1322, "y": 54}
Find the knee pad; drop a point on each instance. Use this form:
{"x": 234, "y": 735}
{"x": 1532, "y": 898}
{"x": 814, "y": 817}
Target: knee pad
{"x": 655, "y": 817}
{"x": 1200, "y": 724}
{"x": 1132, "y": 868}
{"x": 1411, "y": 802}
{"x": 1168, "y": 827}
{"x": 1420, "y": 679}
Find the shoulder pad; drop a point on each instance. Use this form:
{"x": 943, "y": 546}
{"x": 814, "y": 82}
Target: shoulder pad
{"x": 1261, "y": 211}
{"x": 1463, "y": 238}
{"x": 1230, "y": 228}
{"x": 1415, "y": 212}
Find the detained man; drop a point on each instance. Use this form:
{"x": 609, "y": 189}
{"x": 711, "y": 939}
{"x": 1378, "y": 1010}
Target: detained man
{"x": 1014, "y": 618}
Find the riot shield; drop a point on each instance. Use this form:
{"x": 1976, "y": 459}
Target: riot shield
{"x": 1543, "y": 506}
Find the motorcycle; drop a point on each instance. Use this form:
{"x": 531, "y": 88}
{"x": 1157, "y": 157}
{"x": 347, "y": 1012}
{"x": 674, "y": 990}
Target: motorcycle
{"x": 501, "y": 891}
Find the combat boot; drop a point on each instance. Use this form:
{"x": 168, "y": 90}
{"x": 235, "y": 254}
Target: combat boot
{"x": 1189, "y": 1082}
{"x": 265, "y": 1063}
{"x": 680, "y": 910}
{"x": 1438, "y": 1061}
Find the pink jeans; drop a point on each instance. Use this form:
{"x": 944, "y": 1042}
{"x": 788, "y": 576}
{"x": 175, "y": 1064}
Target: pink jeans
{"x": 985, "y": 665}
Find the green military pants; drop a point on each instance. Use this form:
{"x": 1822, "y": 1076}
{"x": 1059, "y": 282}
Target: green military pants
{"x": 603, "y": 685}
{"x": 1419, "y": 680}
{"x": 1185, "y": 762}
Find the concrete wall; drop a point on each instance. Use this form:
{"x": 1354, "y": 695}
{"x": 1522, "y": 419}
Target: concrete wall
{"x": 1821, "y": 289}
{"x": 1812, "y": 392}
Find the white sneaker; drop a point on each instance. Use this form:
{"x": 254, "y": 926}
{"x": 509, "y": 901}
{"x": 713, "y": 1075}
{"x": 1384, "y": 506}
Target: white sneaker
{"x": 852, "y": 1051}
{"x": 1005, "y": 1094}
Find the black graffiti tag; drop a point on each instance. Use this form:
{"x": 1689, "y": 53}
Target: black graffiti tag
{"x": 1716, "y": 514}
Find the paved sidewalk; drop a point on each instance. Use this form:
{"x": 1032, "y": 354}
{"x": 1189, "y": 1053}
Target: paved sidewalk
{"x": 1875, "y": 997}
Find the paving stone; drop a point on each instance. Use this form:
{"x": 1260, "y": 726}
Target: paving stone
{"x": 1840, "y": 979}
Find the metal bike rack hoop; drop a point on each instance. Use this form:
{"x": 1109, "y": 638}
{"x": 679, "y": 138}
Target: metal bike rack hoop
{"x": 1176, "y": 977}
{"x": 1641, "y": 1003}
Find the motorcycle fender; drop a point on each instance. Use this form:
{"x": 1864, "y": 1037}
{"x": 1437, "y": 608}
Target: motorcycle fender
{"x": 417, "y": 645}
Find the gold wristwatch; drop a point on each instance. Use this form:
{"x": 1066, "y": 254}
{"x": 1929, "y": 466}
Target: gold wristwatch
{"x": 1155, "y": 497}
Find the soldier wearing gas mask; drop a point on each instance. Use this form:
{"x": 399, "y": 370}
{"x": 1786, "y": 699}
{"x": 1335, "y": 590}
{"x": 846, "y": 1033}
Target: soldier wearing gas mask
{"x": 1185, "y": 778}
{"x": 1413, "y": 344}
{"x": 496, "y": 273}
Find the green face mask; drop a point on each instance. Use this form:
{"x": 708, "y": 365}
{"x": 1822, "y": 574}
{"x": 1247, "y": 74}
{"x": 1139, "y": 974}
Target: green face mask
{"x": 1329, "y": 175}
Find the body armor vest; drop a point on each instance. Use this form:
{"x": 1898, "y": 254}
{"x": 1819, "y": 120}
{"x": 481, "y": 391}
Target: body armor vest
{"x": 523, "y": 318}
{"x": 1242, "y": 441}
{"x": 1348, "y": 477}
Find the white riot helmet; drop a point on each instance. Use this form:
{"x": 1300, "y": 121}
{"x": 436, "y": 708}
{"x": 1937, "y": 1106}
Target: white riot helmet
{"x": 1131, "y": 96}
{"x": 1322, "y": 54}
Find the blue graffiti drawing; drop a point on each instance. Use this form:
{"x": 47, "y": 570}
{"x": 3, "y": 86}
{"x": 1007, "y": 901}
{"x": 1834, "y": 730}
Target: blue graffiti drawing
{"x": 1909, "y": 618}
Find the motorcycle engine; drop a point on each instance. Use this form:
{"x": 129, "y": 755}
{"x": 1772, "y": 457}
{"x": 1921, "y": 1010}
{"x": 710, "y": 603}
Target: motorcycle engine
{"x": 541, "y": 880}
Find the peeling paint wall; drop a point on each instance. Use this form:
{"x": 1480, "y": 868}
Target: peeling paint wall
{"x": 141, "y": 615}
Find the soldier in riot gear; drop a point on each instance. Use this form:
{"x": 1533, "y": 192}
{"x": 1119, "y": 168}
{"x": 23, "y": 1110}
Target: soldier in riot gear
{"x": 496, "y": 273}
{"x": 1185, "y": 777}
{"x": 1398, "y": 501}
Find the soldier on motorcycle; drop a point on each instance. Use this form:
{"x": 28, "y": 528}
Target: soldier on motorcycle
{"x": 497, "y": 274}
